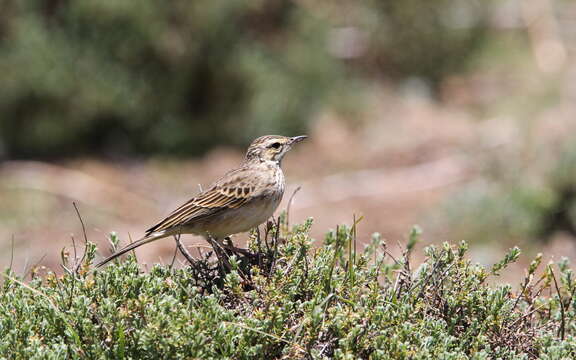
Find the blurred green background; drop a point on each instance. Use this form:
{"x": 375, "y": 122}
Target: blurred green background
{"x": 114, "y": 78}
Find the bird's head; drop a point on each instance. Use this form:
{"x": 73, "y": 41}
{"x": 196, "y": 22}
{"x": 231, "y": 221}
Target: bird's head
{"x": 271, "y": 147}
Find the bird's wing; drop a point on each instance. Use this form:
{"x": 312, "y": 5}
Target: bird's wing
{"x": 232, "y": 191}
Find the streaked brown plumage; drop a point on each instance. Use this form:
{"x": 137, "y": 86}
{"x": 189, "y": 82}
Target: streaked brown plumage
{"x": 241, "y": 200}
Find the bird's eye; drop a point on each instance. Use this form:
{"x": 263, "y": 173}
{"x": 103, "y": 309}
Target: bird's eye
{"x": 275, "y": 145}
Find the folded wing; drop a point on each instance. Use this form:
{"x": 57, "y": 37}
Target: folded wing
{"x": 239, "y": 188}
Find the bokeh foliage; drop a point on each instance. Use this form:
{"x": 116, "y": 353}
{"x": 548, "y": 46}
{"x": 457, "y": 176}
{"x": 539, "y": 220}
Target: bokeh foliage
{"x": 151, "y": 76}
{"x": 518, "y": 201}
{"x": 137, "y": 77}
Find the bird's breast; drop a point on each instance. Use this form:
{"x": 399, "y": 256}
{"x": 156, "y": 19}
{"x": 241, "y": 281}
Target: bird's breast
{"x": 255, "y": 211}
{"x": 244, "y": 218}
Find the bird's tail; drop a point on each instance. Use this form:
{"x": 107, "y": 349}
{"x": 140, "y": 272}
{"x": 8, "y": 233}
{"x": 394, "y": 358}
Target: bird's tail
{"x": 145, "y": 240}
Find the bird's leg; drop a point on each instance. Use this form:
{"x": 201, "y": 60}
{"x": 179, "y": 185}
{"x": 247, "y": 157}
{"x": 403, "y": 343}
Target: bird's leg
{"x": 228, "y": 242}
{"x": 220, "y": 253}
{"x": 229, "y": 245}
{"x": 183, "y": 250}
{"x": 181, "y": 247}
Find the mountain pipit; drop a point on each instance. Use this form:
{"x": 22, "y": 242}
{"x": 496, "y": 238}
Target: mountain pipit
{"x": 241, "y": 200}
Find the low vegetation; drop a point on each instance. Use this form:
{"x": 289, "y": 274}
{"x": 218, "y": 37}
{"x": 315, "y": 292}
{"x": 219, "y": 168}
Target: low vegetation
{"x": 292, "y": 298}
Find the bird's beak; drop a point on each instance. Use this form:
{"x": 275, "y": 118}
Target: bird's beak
{"x": 297, "y": 139}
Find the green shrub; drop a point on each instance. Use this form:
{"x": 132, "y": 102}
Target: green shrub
{"x": 326, "y": 302}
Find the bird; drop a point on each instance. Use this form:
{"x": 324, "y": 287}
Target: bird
{"x": 240, "y": 200}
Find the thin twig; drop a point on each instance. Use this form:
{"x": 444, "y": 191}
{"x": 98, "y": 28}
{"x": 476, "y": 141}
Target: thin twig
{"x": 85, "y": 237}
{"x": 72, "y": 289}
{"x": 563, "y": 320}
{"x": 355, "y": 234}
{"x": 12, "y": 253}
{"x": 81, "y": 222}
{"x": 290, "y": 205}
{"x": 527, "y": 281}
{"x": 386, "y": 252}
{"x": 74, "y": 247}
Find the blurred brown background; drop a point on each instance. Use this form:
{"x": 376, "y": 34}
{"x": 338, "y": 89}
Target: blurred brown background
{"x": 459, "y": 116}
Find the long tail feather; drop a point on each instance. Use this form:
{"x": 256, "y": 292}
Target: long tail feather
{"x": 134, "y": 245}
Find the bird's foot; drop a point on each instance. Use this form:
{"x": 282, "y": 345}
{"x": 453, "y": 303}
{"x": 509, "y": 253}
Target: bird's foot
{"x": 227, "y": 242}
